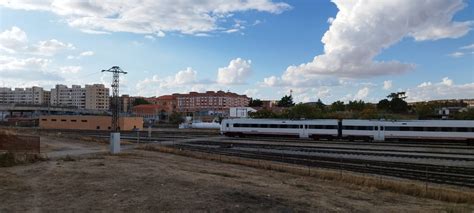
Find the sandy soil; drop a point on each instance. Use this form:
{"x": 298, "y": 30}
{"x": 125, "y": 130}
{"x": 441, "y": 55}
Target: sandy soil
{"x": 144, "y": 181}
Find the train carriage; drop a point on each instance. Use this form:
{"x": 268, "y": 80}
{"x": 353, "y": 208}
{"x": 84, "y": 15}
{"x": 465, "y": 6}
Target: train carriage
{"x": 351, "y": 129}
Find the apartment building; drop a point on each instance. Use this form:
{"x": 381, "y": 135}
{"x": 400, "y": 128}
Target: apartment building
{"x": 30, "y": 96}
{"x": 210, "y": 102}
{"x": 94, "y": 97}
{"x": 97, "y": 97}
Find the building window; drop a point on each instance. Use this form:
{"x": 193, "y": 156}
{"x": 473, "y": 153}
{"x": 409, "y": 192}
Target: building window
{"x": 63, "y": 120}
{"x": 84, "y": 121}
{"x": 98, "y": 127}
{"x": 53, "y": 119}
{"x": 44, "y": 119}
{"x": 73, "y": 120}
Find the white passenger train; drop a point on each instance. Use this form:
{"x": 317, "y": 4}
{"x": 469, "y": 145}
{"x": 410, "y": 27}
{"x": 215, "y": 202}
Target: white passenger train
{"x": 377, "y": 130}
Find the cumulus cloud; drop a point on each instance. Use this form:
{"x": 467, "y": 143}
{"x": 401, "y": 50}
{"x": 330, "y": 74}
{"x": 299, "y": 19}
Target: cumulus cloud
{"x": 362, "y": 29}
{"x": 26, "y": 69}
{"x": 13, "y": 40}
{"x": 50, "y": 47}
{"x": 148, "y": 16}
{"x": 445, "y": 89}
{"x": 362, "y": 94}
{"x": 236, "y": 73}
{"x": 387, "y": 85}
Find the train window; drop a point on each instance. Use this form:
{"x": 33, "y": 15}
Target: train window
{"x": 263, "y": 125}
{"x": 273, "y": 126}
{"x": 404, "y": 128}
{"x": 462, "y": 129}
{"x": 293, "y": 126}
{"x": 419, "y": 129}
{"x": 446, "y": 129}
{"x": 226, "y": 125}
{"x": 392, "y": 128}
{"x": 376, "y": 127}
{"x": 254, "y": 125}
{"x": 381, "y": 128}
{"x": 283, "y": 126}
{"x": 432, "y": 129}
{"x": 236, "y": 125}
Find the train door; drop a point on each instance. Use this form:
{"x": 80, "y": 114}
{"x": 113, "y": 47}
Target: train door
{"x": 379, "y": 133}
{"x": 303, "y": 131}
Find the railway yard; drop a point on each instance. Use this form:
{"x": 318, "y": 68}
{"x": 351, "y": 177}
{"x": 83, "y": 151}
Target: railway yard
{"x": 443, "y": 164}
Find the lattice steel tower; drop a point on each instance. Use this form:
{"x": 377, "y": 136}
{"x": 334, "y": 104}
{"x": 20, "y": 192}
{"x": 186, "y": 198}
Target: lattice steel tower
{"x": 115, "y": 96}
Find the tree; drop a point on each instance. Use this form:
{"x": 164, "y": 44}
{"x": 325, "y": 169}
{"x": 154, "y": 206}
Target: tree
{"x": 338, "y": 106}
{"x": 286, "y": 101}
{"x": 425, "y": 110}
{"x": 356, "y": 105}
{"x": 140, "y": 101}
{"x": 320, "y": 105}
{"x": 466, "y": 115}
{"x": 384, "y": 105}
{"x": 397, "y": 102}
{"x": 264, "y": 113}
{"x": 304, "y": 111}
{"x": 176, "y": 118}
{"x": 398, "y": 105}
{"x": 369, "y": 113}
{"x": 255, "y": 103}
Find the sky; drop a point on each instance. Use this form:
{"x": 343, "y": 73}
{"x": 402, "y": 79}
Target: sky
{"x": 329, "y": 50}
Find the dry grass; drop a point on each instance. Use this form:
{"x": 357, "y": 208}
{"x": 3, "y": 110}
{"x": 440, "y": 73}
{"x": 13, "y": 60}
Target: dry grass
{"x": 413, "y": 188}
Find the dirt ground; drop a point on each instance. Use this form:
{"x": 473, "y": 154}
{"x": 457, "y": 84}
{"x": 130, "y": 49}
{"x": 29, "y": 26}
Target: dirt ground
{"x": 145, "y": 181}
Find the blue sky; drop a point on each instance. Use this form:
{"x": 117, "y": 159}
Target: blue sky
{"x": 262, "y": 48}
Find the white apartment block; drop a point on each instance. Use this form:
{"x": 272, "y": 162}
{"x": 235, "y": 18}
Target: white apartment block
{"x": 30, "y": 96}
{"x": 91, "y": 97}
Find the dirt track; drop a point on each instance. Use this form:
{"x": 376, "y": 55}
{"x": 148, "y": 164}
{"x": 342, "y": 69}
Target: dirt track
{"x": 149, "y": 181}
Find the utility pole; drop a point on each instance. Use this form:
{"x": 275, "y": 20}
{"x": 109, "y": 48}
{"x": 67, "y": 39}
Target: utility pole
{"x": 115, "y": 130}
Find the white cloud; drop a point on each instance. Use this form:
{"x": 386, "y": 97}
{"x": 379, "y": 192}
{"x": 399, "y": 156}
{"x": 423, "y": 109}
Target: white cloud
{"x": 26, "y": 69}
{"x": 445, "y": 89}
{"x": 50, "y": 47}
{"x": 150, "y": 37}
{"x": 148, "y": 16}
{"x": 185, "y": 76}
{"x": 362, "y": 94}
{"x": 362, "y": 29}
{"x": 13, "y": 40}
{"x": 467, "y": 47}
{"x": 70, "y": 69}
{"x": 236, "y": 73}
{"x": 456, "y": 54}
{"x": 387, "y": 85}
{"x": 87, "y": 53}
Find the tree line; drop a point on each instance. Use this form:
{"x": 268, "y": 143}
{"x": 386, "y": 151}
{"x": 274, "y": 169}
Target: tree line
{"x": 393, "y": 107}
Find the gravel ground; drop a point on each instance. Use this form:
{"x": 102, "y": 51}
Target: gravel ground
{"x": 143, "y": 181}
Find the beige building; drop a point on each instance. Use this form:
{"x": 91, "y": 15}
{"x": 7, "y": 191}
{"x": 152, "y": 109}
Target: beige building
{"x": 97, "y": 97}
{"x": 30, "y": 96}
{"x": 79, "y": 122}
{"x": 94, "y": 97}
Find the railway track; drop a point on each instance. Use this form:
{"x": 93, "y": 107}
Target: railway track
{"x": 348, "y": 150}
{"x": 459, "y": 176}
{"x": 426, "y": 144}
